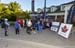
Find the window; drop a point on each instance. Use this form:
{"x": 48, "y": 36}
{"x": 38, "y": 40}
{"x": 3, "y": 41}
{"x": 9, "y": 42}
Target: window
{"x": 62, "y": 8}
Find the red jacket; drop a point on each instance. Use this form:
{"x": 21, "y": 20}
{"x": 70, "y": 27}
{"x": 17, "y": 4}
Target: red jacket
{"x": 20, "y": 21}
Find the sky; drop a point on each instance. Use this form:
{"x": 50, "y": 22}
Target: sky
{"x": 26, "y": 4}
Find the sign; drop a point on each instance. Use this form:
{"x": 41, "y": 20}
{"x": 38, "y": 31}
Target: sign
{"x": 65, "y": 30}
{"x": 55, "y": 26}
{"x": 54, "y": 29}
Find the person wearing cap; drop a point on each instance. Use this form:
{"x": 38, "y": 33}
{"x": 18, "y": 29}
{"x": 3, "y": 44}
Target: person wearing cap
{"x": 6, "y": 24}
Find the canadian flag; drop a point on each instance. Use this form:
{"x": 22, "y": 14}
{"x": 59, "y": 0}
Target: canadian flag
{"x": 64, "y": 29}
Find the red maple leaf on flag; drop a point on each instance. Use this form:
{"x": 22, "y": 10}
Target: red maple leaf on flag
{"x": 64, "y": 29}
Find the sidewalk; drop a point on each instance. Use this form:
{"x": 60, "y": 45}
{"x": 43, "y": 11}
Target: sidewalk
{"x": 46, "y": 37}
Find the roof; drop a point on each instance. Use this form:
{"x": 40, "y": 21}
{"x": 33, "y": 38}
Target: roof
{"x": 58, "y": 8}
{"x": 68, "y": 3}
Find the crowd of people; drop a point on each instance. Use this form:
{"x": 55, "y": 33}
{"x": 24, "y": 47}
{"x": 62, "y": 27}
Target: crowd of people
{"x": 31, "y": 25}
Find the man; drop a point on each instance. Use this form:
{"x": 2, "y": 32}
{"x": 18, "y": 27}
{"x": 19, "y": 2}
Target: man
{"x": 2, "y": 23}
{"x": 6, "y": 24}
{"x": 29, "y": 24}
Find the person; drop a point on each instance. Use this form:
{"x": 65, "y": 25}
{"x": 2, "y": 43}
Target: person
{"x": 49, "y": 21}
{"x": 44, "y": 24}
{"x": 23, "y": 23}
{"x": 33, "y": 26}
{"x": 20, "y": 21}
{"x": 17, "y": 27}
{"x": 5, "y": 26}
{"x": 2, "y": 21}
{"x": 39, "y": 26}
{"x": 29, "y": 24}
{"x": 50, "y": 24}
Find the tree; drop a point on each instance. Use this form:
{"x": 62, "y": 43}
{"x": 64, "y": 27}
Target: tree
{"x": 2, "y": 9}
{"x": 14, "y": 6}
{"x": 23, "y": 14}
{"x": 26, "y": 15}
{"x": 13, "y": 11}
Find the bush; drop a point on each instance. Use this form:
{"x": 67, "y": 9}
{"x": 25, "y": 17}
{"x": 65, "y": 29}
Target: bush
{"x": 11, "y": 23}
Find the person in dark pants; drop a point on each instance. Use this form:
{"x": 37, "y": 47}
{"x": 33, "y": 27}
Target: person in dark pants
{"x": 6, "y": 24}
{"x": 28, "y": 30}
{"x": 2, "y": 23}
{"x": 29, "y": 24}
{"x": 39, "y": 26}
{"x": 17, "y": 26}
{"x": 25, "y": 25}
{"x": 50, "y": 24}
{"x": 6, "y": 28}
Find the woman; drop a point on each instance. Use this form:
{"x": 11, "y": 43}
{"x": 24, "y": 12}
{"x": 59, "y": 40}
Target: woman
{"x": 29, "y": 24}
{"x": 17, "y": 27}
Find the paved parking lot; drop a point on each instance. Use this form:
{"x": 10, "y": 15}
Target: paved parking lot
{"x": 45, "y": 39}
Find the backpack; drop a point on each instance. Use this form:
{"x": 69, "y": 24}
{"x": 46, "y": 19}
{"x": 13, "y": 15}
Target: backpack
{"x": 2, "y": 25}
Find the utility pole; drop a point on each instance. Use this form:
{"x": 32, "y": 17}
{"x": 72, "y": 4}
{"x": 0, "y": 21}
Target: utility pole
{"x": 74, "y": 2}
{"x": 32, "y": 6}
{"x": 44, "y": 9}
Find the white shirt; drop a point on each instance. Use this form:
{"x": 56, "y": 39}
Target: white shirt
{"x": 29, "y": 23}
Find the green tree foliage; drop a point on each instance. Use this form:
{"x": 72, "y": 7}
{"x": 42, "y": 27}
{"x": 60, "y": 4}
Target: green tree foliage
{"x": 23, "y": 15}
{"x": 12, "y": 11}
{"x": 2, "y": 6}
{"x": 14, "y": 6}
{"x": 2, "y": 9}
{"x": 27, "y": 14}
{"x": 7, "y": 11}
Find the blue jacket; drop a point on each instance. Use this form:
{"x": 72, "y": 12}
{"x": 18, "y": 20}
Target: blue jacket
{"x": 16, "y": 24}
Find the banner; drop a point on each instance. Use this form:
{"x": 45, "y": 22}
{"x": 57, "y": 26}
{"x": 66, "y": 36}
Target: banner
{"x": 71, "y": 14}
{"x": 55, "y": 26}
{"x": 65, "y": 30}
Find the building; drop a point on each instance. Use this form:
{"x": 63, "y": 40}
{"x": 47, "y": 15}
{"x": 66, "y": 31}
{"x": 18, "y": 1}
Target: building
{"x": 57, "y": 13}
